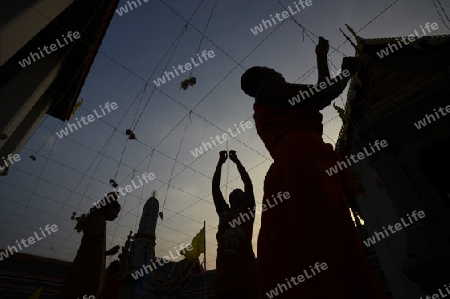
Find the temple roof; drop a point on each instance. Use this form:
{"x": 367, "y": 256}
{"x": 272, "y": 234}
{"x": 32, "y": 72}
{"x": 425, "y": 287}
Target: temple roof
{"x": 22, "y": 274}
{"x": 78, "y": 59}
{"x": 381, "y": 82}
{"x": 431, "y": 39}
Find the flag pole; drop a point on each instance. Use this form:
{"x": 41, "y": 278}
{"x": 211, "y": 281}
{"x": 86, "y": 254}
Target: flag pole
{"x": 204, "y": 253}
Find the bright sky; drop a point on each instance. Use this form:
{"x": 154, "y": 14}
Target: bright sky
{"x": 73, "y": 172}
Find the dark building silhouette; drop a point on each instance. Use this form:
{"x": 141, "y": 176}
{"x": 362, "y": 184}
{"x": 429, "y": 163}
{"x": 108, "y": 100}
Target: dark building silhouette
{"x": 386, "y": 100}
{"x": 22, "y": 274}
{"x": 50, "y": 83}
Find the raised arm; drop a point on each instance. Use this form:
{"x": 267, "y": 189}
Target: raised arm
{"x": 248, "y": 186}
{"x": 322, "y": 60}
{"x": 113, "y": 250}
{"x": 219, "y": 201}
{"x": 276, "y": 92}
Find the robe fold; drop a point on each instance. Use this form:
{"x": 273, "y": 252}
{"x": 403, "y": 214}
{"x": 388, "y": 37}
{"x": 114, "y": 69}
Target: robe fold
{"x": 314, "y": 224}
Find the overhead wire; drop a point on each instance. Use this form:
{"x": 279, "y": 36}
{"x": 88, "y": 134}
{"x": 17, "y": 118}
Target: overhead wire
{"x": 204, "y": 32}
{"x": 175, "y": 163}
{"x": 306, "y": 30}
{"x": 73, "y": 79}
{"x": 439, "y": 13}
{"x": 175, "y": 44}
{"x": 443, "y": 10}
{"x": 384, "y": 10}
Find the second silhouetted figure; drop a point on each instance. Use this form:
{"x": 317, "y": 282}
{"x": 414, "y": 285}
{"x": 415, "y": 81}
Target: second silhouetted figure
{"x": 235, "y": 263}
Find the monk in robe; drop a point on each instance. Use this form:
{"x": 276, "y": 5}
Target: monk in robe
{"x": 314, "y": 225}
{"x": 114, "y": 277}
{"x": 235, "y": 263}
{"x": 85, "y": 275}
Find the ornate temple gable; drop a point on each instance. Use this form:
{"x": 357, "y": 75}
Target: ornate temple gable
{"x": 386, "y": 83}
{"x": 396, "y": 76}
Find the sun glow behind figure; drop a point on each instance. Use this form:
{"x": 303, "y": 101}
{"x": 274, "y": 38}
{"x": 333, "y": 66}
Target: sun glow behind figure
{"x": 121, "y": 33}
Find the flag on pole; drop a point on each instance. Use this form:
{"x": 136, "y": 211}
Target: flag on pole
{"x": 36, "y": 294}
{"x": 198, "y": 246}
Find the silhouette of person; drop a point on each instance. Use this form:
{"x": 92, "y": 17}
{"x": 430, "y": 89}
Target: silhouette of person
{"x": 235, "y": 263}
{"x": 86, "y": 273}
{"x": 314, "y": 225}
{"x": 114, "y": 278}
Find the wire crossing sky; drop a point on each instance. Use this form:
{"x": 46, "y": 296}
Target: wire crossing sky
{"x": 72, "y": 173}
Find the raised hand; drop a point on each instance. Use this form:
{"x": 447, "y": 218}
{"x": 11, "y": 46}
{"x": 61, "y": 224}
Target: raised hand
{"x": 233, "y": 156}
{"x": 113, "y": 250}
{"x": 223, "y": 156}
{"x": 352, "y": 64}
{"x": 322, "y": 47}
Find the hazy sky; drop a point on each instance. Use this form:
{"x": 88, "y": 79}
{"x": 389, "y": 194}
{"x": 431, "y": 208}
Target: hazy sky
{"x": 73, "y": 172}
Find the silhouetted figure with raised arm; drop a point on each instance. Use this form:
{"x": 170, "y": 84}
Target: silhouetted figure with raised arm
{"x": 86, "y": 272}
{"x": 235, "y": 264}
{"x": 114, "y": 277}
{"x": 314, "y": 225}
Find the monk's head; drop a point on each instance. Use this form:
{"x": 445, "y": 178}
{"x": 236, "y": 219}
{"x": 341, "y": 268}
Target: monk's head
{"x": 114, "y": 267}
{"x": 112, "y": 208}
{"x": 237, "y": 198}
{"x": 109, "y": 209}
{"x": 252, "y": 78}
